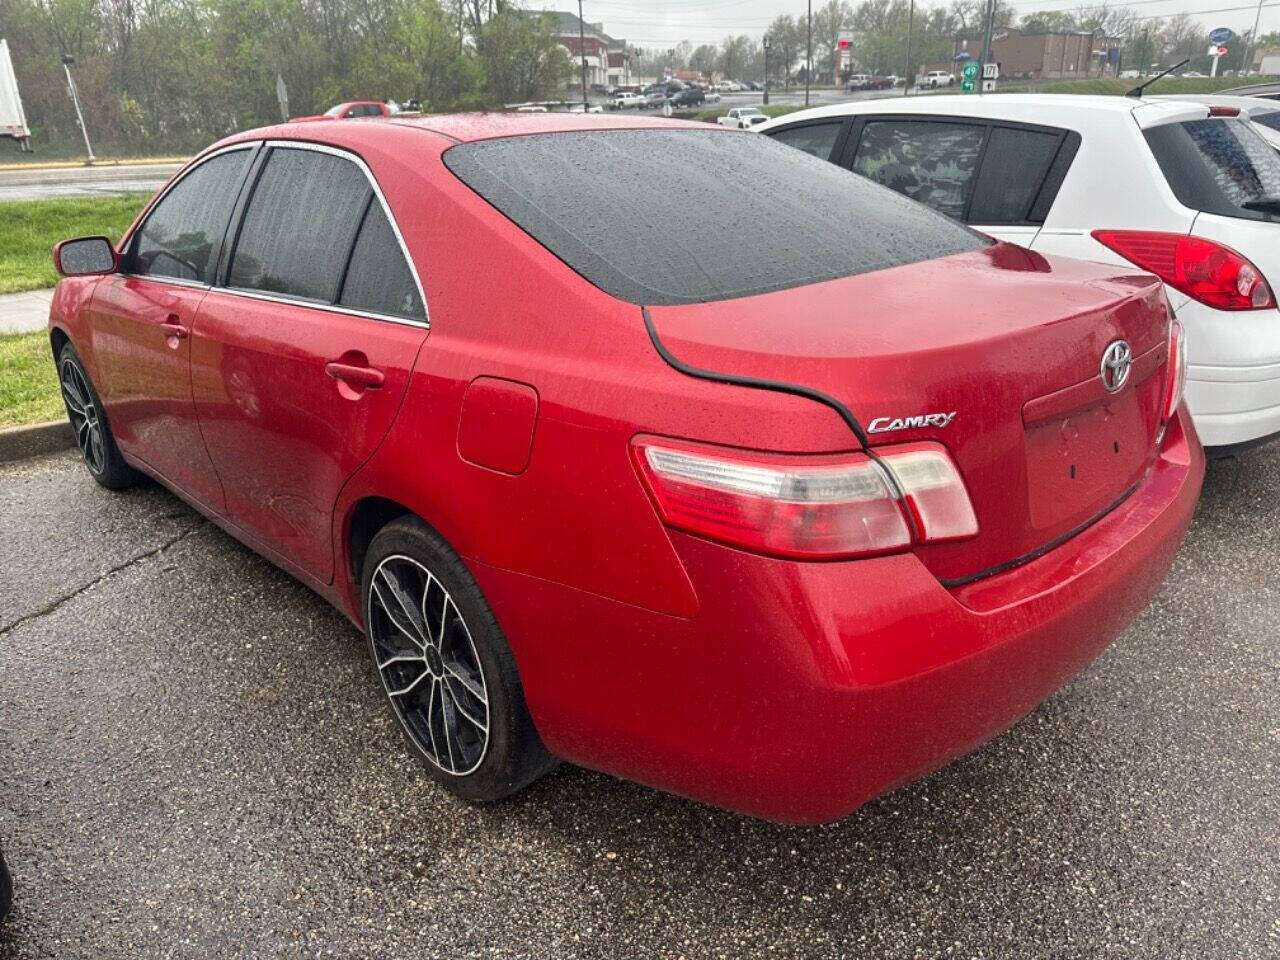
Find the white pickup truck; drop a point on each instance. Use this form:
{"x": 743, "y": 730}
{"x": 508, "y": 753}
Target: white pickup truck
{"x": 624, "y": 100}
{"x": 744, "y": 118}
{"x": 936, "y": 78}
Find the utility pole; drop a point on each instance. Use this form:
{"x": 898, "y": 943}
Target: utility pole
{"x": 1253, "y": 38}
{"x": 582, "y": 52}
{"x": 67, "y": 61}
{"x": 765, "y": 43}
{"x": 906, "y": 70}
{"x": 808, "y": 56}
{"x": 986, "y": 45}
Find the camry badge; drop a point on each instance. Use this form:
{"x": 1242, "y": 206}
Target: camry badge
{"x": 889, "y": 424}
{"x": 1117, "y": 360}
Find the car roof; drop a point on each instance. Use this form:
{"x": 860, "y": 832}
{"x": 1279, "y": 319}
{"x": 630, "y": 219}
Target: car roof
{"x": 466, "y": 127}
{"x": 1026, "y": 107}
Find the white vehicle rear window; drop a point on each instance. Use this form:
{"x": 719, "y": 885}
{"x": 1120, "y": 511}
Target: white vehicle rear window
{"x": 1220, "y": 166}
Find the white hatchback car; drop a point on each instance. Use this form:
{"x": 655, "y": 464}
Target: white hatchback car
{"x": 1186, "y": 190}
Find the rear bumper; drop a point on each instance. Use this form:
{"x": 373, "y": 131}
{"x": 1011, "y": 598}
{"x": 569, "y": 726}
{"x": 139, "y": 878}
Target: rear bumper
{"x": 1233, "y": 373}
{"x": 801, "y": 690}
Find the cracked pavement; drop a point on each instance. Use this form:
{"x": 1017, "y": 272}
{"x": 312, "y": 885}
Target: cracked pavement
{"x": 195, "y": 761}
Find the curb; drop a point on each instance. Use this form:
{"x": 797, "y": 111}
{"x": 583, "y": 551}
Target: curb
{"x": 18, "y": 443}
{"x": 96, "y": 165}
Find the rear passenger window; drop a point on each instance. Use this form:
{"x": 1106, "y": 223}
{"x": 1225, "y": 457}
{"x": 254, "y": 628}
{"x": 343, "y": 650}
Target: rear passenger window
{"x": 299, "y": 225}
{"x": 180, "y": 236}
{"x": 1013, "y": 167}
{"x": 930, "y": 161}
{"x": 816, "y": 138}
{"x": 378, "y": 279}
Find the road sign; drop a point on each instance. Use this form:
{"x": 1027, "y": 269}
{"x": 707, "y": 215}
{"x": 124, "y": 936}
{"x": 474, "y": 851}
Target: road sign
{"x": 966, "y": 86}
{"x": 990, "y": 71}
{"x": 988, "y": 86}
{"x": 969, "y": 71}
{"x": 1221, "y": 35}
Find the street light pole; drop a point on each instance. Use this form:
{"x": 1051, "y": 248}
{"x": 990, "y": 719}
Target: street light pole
{"x": 582, "y": 53}
{"x": 808, "y": 61}
{"x": 906, "y": 71}
{"x": 67, "y": 61}
{"x": 765, "y": 44}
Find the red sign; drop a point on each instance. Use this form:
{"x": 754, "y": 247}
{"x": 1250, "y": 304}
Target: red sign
{"x": 1222, "y": 51}
{"x": 844, "y": 43}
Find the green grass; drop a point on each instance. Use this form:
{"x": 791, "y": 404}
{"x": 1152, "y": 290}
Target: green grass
{"x": 30, "y": 228}
{"x": 1113, "y": 87}
{"x": 28, "y": 381}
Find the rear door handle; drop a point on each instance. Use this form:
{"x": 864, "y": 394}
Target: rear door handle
{"x": 173, "y": 327}
{"x": 366, "y": 377}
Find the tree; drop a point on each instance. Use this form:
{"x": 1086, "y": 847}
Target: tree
{"x": 828, "y": 21}
{"x": 521, "y": 58}
{"x": 733, "y": 56}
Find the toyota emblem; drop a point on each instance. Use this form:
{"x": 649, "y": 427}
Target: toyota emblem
{"x": 1117, "y": 360}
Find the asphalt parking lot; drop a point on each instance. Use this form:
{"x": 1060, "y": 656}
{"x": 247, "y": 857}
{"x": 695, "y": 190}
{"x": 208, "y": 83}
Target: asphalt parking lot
{"x": 195, "y": 762}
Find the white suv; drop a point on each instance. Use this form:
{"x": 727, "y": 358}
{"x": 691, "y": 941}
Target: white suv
{"x": 1188, "y": 191}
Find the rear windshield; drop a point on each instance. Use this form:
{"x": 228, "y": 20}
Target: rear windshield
{"x": 725, "y": 215}
{"x": 1269, "y": 119}
{"x": 1220, "y": 166}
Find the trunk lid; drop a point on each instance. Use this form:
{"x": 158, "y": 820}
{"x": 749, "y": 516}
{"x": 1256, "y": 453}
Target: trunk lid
{"x": 1008, "y": 340}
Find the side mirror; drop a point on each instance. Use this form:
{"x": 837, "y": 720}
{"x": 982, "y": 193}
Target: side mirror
{"x": 85, "y": 256}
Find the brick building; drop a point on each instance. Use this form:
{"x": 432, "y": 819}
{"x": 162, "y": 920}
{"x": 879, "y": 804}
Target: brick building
{"x": 608, "y": 60}
{"x": 1044, "y": 54}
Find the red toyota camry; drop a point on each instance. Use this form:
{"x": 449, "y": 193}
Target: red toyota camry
{"x": 773, "y": 489}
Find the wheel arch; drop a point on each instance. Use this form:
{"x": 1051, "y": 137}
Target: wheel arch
{"x": 365, "y": 518}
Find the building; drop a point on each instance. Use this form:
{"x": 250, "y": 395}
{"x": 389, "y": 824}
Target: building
{"x": 609, "y": 61}
{"x": 1266, "y": 61}
{"x": 1044, "y": 54}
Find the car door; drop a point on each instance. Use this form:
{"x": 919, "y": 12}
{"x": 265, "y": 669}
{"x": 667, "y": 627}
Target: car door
{"x": 141, "y": 320}
{"x": 302, "y": 353}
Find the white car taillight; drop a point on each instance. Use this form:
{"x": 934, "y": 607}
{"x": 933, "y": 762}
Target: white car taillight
{"x": 811, "y": 507}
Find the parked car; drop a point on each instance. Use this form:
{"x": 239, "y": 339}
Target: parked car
{"x": 689, "y": 97}
{"x": 936, "y": 78}
{"x": 858, "y": 81}
{"x": 360, "y": 108}
{"x": 743, "y": 118}
{"x": 585, "y": 108}
{"x": 711, "y": 96}
{"x": 654, "y": 99}
{"x": 624, "y": 101}
{"x": 709, "y": 522}
{"x": 1183, "y": 189}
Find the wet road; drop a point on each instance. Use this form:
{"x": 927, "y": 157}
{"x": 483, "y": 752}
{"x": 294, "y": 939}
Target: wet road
{"x": 42, "y": 184}
{"x": 195, "y": 762}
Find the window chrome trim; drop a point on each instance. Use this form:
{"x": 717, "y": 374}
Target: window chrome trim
{"x": 386, "y": 209}
{"x": 276, "y": 298}
{"x": 316, "y": 305}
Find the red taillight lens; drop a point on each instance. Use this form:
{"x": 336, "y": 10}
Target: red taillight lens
{"x": 1176, "y": 380}
{"x": 1202, "y": 269}
{"x": 808, "y": 507}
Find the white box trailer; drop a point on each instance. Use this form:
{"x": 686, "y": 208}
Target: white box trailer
{"x": 1270, "y": 66}
{"x": 13, "y": 121}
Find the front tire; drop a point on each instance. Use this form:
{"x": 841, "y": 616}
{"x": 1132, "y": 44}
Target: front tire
{"x": 89, "y": 423}
{"x": 449, "y": 675}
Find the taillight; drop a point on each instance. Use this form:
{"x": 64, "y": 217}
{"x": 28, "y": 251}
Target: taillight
{"x": 808, "y": 507}
{"x": 1202, "y": 269}
{"x": 1176, "y": 380}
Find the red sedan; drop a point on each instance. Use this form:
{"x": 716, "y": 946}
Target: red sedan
{"x": 775, "y": 490}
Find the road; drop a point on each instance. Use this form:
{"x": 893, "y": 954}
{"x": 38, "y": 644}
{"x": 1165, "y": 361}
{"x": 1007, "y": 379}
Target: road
{"x": 42, "y": 184}
{"x": 195, "y": 762}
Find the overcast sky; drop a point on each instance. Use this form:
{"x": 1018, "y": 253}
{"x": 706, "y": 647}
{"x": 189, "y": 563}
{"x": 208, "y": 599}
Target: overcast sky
{"x": 664, "y": 22}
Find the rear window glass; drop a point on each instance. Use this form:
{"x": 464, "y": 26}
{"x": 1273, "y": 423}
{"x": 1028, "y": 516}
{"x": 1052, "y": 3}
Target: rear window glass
{"x": 1271, "y": 119}
{"x": 1013, "y": 168}
{"x": 1219, "y": 166}
{"x": 782, "y": 218}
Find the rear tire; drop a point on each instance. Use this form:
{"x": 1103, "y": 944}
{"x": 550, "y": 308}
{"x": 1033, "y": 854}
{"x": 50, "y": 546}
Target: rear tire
{"x": 89, "y": 424}
{"x": 6, "y": 888}
{"x": 446, "y": 667}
